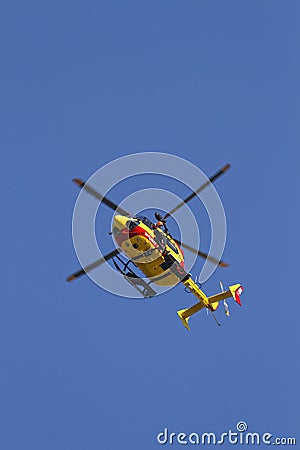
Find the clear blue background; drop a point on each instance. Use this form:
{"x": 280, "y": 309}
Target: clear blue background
{"x": 83, "y": 83}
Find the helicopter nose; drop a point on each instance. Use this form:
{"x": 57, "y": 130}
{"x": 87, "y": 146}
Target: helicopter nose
{"x": 120, "y": 222}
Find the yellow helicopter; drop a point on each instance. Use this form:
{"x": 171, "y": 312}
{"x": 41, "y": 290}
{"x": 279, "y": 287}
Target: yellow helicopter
{"x": 150, "y": 247}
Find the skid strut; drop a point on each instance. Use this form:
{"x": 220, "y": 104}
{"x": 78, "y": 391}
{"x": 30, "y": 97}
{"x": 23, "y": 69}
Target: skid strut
{"x": 129, "y": 275}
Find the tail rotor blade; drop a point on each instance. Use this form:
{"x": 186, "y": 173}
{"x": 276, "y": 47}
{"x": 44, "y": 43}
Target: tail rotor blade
{"x": 226, "y": 307}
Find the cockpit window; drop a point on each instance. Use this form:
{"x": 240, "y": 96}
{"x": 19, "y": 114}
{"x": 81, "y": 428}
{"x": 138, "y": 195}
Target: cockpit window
{"x": 131, "y": 224}
{"x": 145, "y": 220}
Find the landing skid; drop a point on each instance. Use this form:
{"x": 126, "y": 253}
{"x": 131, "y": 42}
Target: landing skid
{"x": 129, "y": 275}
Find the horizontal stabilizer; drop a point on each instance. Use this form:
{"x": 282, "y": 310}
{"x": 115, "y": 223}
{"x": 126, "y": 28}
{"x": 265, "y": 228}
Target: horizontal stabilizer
{"x": 185, "y": 314}
{"x": 234, "y": 291}
{"x": 211, "y": 303}
{"x": 184, "y": 320}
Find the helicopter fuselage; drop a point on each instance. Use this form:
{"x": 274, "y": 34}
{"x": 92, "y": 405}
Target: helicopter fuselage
{"x": 153, "y": 251}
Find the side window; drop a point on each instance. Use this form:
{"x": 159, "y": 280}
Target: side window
{"x": 172, "y": 246}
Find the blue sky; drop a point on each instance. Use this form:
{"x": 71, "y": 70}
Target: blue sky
{"x": 83, "y": 83}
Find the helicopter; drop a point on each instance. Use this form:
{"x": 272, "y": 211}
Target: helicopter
{"x": 149, "y": 247}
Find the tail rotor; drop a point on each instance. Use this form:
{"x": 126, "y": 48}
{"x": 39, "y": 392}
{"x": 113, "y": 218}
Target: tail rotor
{"x": 226, "y": 307}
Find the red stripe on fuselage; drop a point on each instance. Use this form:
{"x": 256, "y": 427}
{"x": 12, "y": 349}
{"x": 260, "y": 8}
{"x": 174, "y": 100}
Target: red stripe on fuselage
{"x": 125, "y": 234}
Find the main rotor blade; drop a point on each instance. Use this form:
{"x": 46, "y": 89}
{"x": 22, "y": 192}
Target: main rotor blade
{"x": 202, "y": 254}
{"x": 101, "y": 197}
{"x": 93, "y": 265}
{"x": 193, "y": 194}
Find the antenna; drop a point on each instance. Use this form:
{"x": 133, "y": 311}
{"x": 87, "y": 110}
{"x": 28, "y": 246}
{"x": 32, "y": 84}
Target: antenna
{"x": 216, "y": 320}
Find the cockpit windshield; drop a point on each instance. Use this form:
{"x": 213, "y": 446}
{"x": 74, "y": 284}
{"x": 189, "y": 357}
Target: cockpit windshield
{"x": 131, "y": 224}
